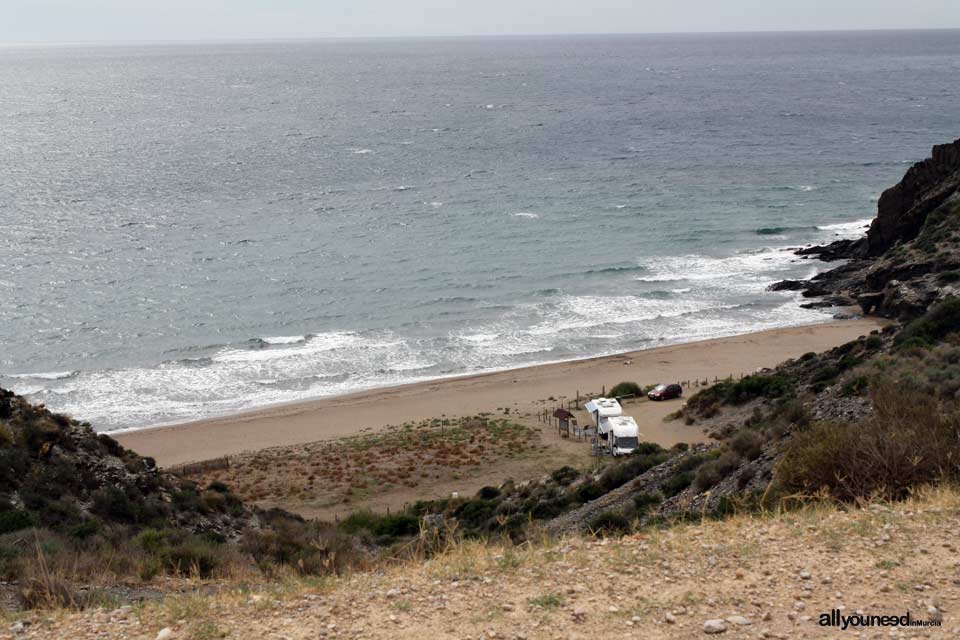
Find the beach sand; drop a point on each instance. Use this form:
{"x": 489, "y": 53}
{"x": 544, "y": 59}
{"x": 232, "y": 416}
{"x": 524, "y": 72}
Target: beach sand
{"x": 523, "y": 391}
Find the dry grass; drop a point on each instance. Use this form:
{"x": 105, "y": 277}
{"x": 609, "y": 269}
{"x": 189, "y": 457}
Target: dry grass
{"x": 346, "y": 471}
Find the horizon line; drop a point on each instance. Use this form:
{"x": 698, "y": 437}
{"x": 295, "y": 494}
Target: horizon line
{"x": 452, "y": 36}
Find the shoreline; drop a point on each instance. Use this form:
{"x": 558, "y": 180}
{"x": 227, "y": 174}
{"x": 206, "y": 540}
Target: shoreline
{"x": 523, "y": 390}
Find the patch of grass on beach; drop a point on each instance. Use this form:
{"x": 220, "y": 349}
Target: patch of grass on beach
{"x": 349, "y": 470}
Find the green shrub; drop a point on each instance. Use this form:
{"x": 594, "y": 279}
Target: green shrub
{"x": 386, "y": 526}
{"x": 193, "y": 557}
{"x": 855, "y": 386}
{"x": 609, "y": 522}
{"x": 85, "y": 529}
{"x": 908, "y": 442}
{"x": 748, "y": 443}
{"x": 15, "y": 519}
{"x": 712, "y": 472}
{"x": 939, "y": 321}
{"x": 564, "y": 476}
{"x": 626, "y": 389}
{"x": 618, "y": 475}
{"x": 643, "y": 501}
{"x": 474, "y": 514}
{"x": 588, "y": 491}
{"x": 676, "y": 483}
{"x": 776, "y": 385}
{"x": 113, "y": 503}
{"x": 311, "y": 548}
{"x": 488, "y": 493}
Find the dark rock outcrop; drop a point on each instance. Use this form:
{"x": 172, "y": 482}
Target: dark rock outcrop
{"x": 909, "y": 253}
{"x": 903, "y": 208}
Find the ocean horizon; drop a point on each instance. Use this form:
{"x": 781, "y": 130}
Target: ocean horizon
{"x": 194, "y": 230}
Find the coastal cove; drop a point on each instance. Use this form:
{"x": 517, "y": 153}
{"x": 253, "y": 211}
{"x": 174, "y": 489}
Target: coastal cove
{"x": 524, "y": 391}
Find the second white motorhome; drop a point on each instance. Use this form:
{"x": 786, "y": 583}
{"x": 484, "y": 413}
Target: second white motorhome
{"x": 619, "y": 434}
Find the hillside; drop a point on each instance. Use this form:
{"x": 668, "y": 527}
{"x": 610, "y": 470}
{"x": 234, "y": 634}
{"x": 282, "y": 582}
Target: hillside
{"x": 767, "y": 576}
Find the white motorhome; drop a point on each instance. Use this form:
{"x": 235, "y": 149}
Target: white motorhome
{"x": 603, "y": 408}
{"x": 623, "y": 434}
{"x": 619, "y": 434}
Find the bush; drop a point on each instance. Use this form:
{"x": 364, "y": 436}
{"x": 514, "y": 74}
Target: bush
{"x": 312, "y": 548}
{"x": 643, "y": 501}
{"x": 193, "y": 557}
{"x": 908, "y": 442}
{"x": 619, "y": 475}
{"x": 564, "y": 476}
{"x": 488, "y": 493}
{"x": 113, "y": 503}
{"x": 676, "y": 483}
{"x": 609, "y": 522}
{"x": 588, "y": 491}
{"x": 748, "y": 443}
{"x": 855, "y": 386}
{"x": 939, "y": 321}
{"x": 772, "y": 386}
{"x": 384, "y": 526}
{"x": 626, "y": 389}
{"x": 712, "y": 472}
{"x": 15, "y": 519}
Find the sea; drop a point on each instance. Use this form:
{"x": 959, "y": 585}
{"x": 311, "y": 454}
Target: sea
{"x": 193, "y": 229}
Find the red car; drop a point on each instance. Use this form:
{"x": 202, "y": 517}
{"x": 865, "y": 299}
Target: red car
{"x": 665, "y": 392}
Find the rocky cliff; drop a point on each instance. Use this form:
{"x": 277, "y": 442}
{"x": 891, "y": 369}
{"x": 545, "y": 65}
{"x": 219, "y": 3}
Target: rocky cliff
{"x": 910, "y": 257}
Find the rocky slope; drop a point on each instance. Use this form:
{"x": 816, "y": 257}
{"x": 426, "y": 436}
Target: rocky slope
{"x": 58, "y": 474}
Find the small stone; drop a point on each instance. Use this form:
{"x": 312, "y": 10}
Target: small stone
{"x": 669, "y": 618}
{"x": 739, "y": 620}
{"x": 17, "y": 627}
{"x": 166, "y": 634}
{"x": 934, "y": 614}
{"x": 714, "y": 626}
{"x": 805, "y": 575}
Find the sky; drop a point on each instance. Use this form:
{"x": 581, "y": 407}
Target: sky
{"x": 170, "y": 20}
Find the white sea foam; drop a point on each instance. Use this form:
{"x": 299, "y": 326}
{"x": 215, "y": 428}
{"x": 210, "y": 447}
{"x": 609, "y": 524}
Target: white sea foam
{"x": 527, "y": 214}
{"x": 53, "y": 375}
{"x": 285, "y": 339}
{"x": 849, "y": 230}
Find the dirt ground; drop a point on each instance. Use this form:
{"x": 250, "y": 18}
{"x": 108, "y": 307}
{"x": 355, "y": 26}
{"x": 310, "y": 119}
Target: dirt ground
{"x": 386, "y": 470}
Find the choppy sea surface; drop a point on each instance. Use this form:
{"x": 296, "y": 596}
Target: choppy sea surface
{"x": 192, "y": 230}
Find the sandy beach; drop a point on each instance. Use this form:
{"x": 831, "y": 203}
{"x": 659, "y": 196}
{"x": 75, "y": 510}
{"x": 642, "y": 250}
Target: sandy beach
{"x": 526, "y": 390}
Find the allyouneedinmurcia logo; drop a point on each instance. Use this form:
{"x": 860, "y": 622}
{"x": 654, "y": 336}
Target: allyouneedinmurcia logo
{"x": 836, "y": 618}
